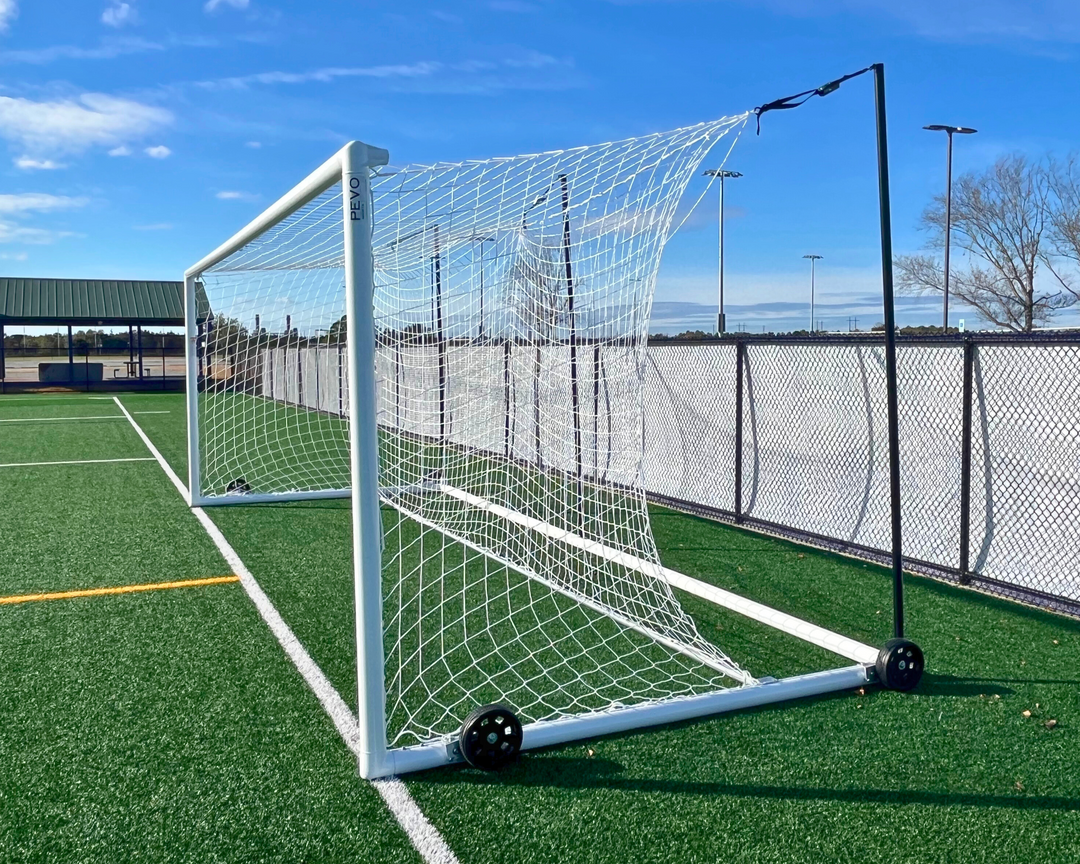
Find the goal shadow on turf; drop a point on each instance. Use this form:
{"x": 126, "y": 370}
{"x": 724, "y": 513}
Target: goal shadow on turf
{"x": 599, "y": 773}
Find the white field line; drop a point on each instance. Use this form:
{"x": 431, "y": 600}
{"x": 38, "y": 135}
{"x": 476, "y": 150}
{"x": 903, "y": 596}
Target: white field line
{"x": 421, "y": 833}
{"x": 76, "y": 462}
{"x": 84, "y": 417}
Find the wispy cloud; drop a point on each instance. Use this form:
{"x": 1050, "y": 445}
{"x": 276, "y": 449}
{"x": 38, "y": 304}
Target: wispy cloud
{"x": 254, "y": 145}
{"x": 9, "y": 11}
{"x": 234, "y": 195}
{"x": 17, "y": 206}
{"x": 214, "y": 5}
{"x": 156, "y": 226}
{"x": 326, "y": 74}
{"x": 120, "y": 151}
{"x": 74, "y": 125}
{"x": 25, "y": 163}
{"x": 37, "y": 202}
{"x": 107, "y": 49}
{"x": 521, "y": 70}
{"x": 158, "y": 152}
{"x": 117, "y": 14}
{"x": 13, "y": 256}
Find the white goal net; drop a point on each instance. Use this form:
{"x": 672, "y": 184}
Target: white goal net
{"x": 511, "y": 307}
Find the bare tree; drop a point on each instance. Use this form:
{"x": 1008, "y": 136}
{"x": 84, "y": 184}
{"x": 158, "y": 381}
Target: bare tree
{"x": 1001, "y": 218}
{"x": 1064, "y": 222}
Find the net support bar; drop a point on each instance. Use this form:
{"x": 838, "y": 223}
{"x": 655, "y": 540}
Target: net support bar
{"x": 271, "y": 497}
{"x": 812, "y": 633}
{"x": 547, "y": 733}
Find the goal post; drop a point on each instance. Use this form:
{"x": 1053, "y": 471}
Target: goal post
{"x": 458, "y": 348}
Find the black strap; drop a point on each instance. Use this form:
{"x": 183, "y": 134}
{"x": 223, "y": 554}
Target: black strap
{"x": 790, "y": 101}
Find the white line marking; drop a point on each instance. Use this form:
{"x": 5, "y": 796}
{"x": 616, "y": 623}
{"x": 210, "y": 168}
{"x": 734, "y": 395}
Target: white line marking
{"x": 422, "y": 834}
{"x": 54, "y": 419}
{"x": 76, "y": 462}
{"x": 86, "y": 417}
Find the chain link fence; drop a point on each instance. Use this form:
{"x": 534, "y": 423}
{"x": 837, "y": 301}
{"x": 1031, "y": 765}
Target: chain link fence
{"x": 782, "y": 434}
{"x": 788, "y": 435}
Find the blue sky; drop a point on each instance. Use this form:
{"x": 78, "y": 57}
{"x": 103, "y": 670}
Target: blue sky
{"x": 135, "y": 136}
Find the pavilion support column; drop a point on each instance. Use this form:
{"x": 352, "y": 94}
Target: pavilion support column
{"x": 131, "y": 344}
{"x": 140, "y": 353}
{"x": 3, "y": 357}
{"x": 71, "y": 356}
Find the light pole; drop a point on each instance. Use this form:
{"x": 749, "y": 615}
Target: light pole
{"x": 721, "y": 173}
{"x": 482, "y": 239}
{"x": 950, "y": 131}
{"x": 813, "y": 259}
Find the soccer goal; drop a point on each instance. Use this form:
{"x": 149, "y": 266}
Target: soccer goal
{"x": 459, "y": 348}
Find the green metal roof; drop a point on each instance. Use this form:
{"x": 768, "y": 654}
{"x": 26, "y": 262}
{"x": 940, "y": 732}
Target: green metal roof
{"x": 87, "y": 302}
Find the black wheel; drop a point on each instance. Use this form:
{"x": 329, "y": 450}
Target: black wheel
{"x": 900, "y": 664}
{"x": 491, "y": 737}
{"x": 238, "y": 485}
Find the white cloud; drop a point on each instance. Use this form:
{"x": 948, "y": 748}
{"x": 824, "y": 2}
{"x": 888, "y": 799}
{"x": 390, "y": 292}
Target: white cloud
{"x": 233, "y": 195}
{"x": 120, "y": 151}
{"x": 114, "y": 46}
{"x": 157, "y": 226}
{"x": 37, "y": 202}
{"x": 25, "y": 203}
{"x": 9, "y": 11}
{"x": 118, "y": 14}
{"x": 17, "y": 256}
{"x": 241, "y": 82}
{"x": 73, "y": 125}
{"x": 213, "y": 5}
{"x": 158, "y": 152}
{"x": 27, "y": 164}
{"x": 254, "y": 145}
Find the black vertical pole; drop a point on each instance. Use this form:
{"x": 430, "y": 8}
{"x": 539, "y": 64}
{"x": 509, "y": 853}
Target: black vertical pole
{"x": 965, "y": 463}
{"x": 596, "y": 410}
{"x": 3, "y": 356}
{"x": 740, "y": 362}
{"x": 71, "y": 357}
{"x": 139, "y": 329}
{"x": 890, "y": 352}
{"x": 440, "y": 337}
{"x": 86, "y": 365}
{"x": 162, "y": 361}
{"x": 574, "y": 399}
{"x": 131, "y": 345}
{"x": 506, "y": 385}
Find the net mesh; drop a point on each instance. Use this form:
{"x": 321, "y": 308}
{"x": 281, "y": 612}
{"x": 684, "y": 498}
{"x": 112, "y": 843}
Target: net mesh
{"x": 512, "y": 299}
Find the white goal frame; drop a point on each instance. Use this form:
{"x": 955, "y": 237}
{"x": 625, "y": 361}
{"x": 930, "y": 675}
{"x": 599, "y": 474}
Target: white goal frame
{"x": 351, "y": 166}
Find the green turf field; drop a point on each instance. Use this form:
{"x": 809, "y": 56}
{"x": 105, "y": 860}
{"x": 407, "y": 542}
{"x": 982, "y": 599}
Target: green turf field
{"x": 170, "y": 726}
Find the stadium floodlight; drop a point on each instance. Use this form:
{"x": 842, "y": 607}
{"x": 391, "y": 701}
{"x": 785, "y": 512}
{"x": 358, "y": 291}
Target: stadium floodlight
{"x": 949, "y": 131}
{"x": 508, "y": 589}
{"x": 721, "y": 174}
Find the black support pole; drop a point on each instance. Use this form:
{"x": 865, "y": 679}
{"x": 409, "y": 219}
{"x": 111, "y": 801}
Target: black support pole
{"x": 740, "y": 363}
{"x": 440, "y": 336}
{"x": 506, "y": 385}
{"x": 139, "y": 330}
{"x": 890, "y": 351}
{"x": 71, "y": 357}
{"x": 3, "y": 356}
{"x": 965, "y": 464}
{"x": 574, "y": 397}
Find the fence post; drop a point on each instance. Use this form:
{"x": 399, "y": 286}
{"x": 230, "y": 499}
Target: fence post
{"x": 965, "y": 463}
{"x": 740, "y": 362}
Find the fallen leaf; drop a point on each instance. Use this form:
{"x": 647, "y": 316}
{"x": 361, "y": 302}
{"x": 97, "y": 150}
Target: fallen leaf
{"x": 591, "y": 752}
{"x": 861, "y": 691}
{"x": 1056, "y": 642}
{"x": 1025, "y": 713}
{"x": 1018, "y": 786}
{"x": 1050, "y": 724}
{"x": 801, "y": 556}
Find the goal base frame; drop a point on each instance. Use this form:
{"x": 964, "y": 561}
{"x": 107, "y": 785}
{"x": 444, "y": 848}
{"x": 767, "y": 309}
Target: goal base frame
{"x": 548, "y": 733}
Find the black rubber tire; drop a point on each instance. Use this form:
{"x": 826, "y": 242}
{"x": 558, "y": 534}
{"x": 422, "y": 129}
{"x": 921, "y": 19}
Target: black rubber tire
{"x": 491, "y": 737}
{"x": 900, "y": 664}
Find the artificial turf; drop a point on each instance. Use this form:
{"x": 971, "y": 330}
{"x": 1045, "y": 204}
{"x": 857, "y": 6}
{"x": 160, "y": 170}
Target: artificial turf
{"x": 148, "y": 719}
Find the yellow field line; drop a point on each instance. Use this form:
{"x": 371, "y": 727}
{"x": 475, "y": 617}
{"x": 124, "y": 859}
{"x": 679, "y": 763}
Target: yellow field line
{"x": 119, "y": 589}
